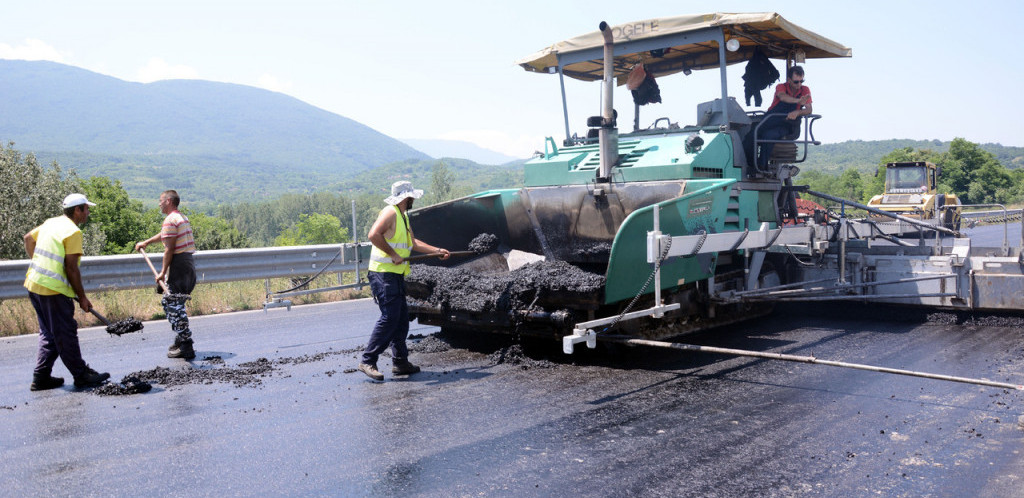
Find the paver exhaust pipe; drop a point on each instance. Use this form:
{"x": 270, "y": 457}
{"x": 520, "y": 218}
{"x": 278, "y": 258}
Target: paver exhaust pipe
{"x": 608, "y": 135}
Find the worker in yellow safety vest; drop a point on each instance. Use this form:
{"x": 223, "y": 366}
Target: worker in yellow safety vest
{"x": 393, "y": 241}
{"x": 53, "y": 280}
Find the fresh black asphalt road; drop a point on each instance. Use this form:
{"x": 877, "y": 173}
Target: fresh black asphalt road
{"x": 633, "y": 422}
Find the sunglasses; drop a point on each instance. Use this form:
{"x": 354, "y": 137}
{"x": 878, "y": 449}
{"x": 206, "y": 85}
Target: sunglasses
{"x": 799, "y": 82}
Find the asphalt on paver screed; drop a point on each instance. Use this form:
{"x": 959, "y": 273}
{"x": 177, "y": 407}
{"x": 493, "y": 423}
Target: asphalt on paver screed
{"x": 458, "y": 289}
{"x": 462, "y": 290}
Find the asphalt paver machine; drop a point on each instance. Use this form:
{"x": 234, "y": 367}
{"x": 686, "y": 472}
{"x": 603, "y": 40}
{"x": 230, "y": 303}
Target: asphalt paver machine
{"x": 683, "y": 227}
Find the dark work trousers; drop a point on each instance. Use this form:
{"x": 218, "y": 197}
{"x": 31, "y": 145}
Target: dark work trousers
{"x": 58, "y": 334}
{"x": 181, "y": 280}
{"x": 775, "y": 127}
{"x": 393, "y": 326}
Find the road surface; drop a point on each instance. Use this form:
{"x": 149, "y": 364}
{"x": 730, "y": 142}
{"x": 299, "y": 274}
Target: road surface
{"x": 623, "y": 423}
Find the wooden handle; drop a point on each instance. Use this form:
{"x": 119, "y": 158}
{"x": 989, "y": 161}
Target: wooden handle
{"x": 95, "y": 313}
{"x": 98, "y": 315}
{"x": 161, "y": 283}
{"x": 420, "y": 257}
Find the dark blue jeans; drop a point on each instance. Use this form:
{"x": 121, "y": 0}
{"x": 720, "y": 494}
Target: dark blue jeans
{"x": 58, "y": 334}
{"x": 392, "y": 327}
{"x": 776, "y": 127}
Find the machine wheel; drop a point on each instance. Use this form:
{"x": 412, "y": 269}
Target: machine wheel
{"x": 950, "y": 220}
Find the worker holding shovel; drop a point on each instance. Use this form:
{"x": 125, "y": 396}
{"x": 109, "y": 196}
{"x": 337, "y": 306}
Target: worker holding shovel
{"x": 53, "y": 280}
{"x": 177, "y": 275}
{"x": 393, "y": 241}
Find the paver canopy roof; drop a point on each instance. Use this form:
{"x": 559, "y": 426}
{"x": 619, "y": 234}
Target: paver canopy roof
{"x": 688, "y": 45}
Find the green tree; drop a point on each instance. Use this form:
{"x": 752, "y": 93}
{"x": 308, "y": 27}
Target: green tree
{"x": 818, "y": 181}
{"x": 975, "y": 174}
{"x": 29, "y": 194}
{"x": 441, "y": 180}
{"x": 119, "y": 217}
{"x": 313, "y": 229}
{"x": 212, "y": 232}
{"x": 850, "y": 185}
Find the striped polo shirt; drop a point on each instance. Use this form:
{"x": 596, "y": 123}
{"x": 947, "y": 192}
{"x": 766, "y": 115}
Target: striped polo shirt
{"x": 177, "y": 227}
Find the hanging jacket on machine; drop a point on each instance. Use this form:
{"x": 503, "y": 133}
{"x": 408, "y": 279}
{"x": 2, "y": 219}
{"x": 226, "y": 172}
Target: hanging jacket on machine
{"x": 645, "y": 89}
{"x": 758, "y": 75}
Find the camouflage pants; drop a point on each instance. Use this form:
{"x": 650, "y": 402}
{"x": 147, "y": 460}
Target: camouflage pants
{"x": 174, "y": 307}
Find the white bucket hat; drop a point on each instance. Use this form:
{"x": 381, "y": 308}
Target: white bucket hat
{"x": 401, "y": 190}
{"x": 73, "y": 200}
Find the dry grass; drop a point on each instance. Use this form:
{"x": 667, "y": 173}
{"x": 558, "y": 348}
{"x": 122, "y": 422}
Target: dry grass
{"x": 17, "y": 316}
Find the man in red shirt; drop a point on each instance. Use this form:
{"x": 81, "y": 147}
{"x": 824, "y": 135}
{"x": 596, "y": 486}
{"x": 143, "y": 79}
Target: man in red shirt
{"x": 792, "y": 100}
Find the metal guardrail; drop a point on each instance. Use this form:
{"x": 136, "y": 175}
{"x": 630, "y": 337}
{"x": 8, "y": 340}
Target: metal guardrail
{"x": 996, "y": 216}
{"x": 129, "y": 271}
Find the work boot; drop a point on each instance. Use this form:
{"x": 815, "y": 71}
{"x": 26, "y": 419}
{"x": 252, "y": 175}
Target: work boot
{"x": 371, "y": 371}
{"x": 91, "y": 378}
{"x": 181, "y": 349}
{"x": 403, "y": 367}
{"x": 44, "y": 382}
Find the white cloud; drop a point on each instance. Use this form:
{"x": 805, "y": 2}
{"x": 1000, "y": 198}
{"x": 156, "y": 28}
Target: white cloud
{"x": 521, "y": 146}
{"x": 272, "y": 83}
{"x": 31, "y": 50}
{"x": 158, "y": 69}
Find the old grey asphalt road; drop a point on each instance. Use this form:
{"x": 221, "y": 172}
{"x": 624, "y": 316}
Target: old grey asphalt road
{"x": 646, "y": 423}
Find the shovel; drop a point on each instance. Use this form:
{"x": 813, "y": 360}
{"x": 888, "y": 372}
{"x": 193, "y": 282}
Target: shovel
{"x": 125, "y": 326}
{"x": 421, "y": 257}
{"x": 160, "y": 283}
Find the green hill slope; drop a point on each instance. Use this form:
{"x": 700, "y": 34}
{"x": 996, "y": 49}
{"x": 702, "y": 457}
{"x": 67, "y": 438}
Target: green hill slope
{"x": 865, "y": 155}
{"x": 228, "y": 141}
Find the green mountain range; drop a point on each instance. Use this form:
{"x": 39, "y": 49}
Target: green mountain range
{"x": 227, "y": 141}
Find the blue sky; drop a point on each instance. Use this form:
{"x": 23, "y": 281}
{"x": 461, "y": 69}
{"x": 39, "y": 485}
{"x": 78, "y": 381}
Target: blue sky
{"x": 445, "y": 69}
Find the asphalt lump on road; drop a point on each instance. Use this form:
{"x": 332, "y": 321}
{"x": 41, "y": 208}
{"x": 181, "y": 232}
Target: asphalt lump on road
{"x": 130, "y": 384}
{"x": 514, "y": 355}
{"x": 212, "y": 370}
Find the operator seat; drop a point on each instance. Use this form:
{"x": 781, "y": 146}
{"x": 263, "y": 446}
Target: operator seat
{"x": 785, "y": 153}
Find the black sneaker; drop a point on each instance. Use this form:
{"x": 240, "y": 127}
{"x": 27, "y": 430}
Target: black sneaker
{"x": 91, "y": 378}
{"x": 44, "y": 382}
{"x": 371, "y": 371}
{"x": 182, "y": 350}
{"x": 403, "y": 367}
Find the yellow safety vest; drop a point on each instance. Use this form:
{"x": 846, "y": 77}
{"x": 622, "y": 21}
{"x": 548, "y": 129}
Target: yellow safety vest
{"x": 47, "y": 268}
{"x": 401, "y": 242}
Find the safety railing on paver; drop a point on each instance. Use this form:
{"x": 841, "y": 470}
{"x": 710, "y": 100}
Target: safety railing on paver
{"x": 129, "y": 271}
